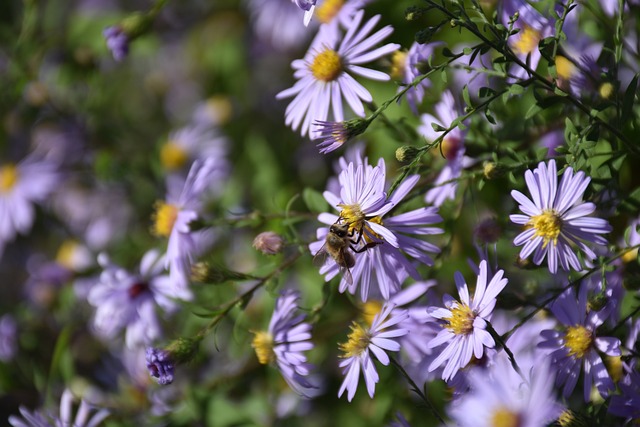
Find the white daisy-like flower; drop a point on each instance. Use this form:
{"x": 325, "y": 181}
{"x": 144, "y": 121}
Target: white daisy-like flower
{"x": 325, "y": 78}
{"x": 21, "y": 186}
{"x": 381, "y": 336}
{"x": 464, "y": 322}
{"x": 555, "y": 218}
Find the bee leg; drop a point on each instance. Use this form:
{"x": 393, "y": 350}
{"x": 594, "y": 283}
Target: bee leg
{"x": 365, "y": 247}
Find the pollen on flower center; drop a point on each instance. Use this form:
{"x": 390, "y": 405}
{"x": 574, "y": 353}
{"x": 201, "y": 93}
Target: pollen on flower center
{"x": 461, "y": 320}
{"x": 172, "y": 156}
{"x": 548, "y": 225}
{"x": 527, "y": 41}
{"x": 328, "y": 10}
{"x": 352, "y": 215}
{"x": 326, "y": 66}
{"x": 358, "y": 341}
{"x": 578, "y": 339}
{"x": 164, "y": 218}
{"x": 503, "y": 417}
{"x": 8, "y": 177}
{"x": 263, "y": 345}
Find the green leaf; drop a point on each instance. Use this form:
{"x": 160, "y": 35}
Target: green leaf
{"x": 437, "y": 128}
{"x": 314, "y": 200}
{"x": 465, "y": 95}
{"x": 516, "y": 89}
{"x": 628, "y": 99}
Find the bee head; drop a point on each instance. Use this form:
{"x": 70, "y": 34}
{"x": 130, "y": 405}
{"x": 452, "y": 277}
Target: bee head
{"x": 339, "y": 230}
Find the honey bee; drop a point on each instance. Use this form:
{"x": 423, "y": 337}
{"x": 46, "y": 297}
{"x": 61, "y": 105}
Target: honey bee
{"x": 337, "y": 244}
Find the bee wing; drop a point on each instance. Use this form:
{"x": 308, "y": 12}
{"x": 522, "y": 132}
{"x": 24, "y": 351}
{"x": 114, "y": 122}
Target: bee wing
{"x": 320, "y": 258}
{"x": 346, "y": 273}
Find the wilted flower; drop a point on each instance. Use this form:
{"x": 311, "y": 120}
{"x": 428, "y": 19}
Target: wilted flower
{"x": 160, "y": 364}
{"x": 556, "y": 218}
{"x": 117, "y": 42}
{"x": 269, "y": 243}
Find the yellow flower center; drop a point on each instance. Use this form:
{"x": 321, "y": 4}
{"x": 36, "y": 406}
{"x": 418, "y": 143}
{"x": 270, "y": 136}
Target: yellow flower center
{"x": 503, "y": 417}
{"x": 578, "y": 339}
{"x": 548, "y": 225}
{"x": 328, "y": 10}
{"x": 528, "y": 40}
{"x": 630, "y": 256}
{"x": 263, "y": 345}
{"x": 370, "y": 309}
{"x": 461, "y": 320}
{"x": 173, "y": 156}
{"x": 327, "y": 65}
{"x": 219, "y": 109}
{"x": 352, "y": 215}
{"x": 614, "y": 367}
{"x": 358, "y": 341}
{"x": 566, "y": 418}
{"x": 8, "y": 178}
{"x": 564, "y": 67}
{"x": 164, "y": 218}
{"x": 66, "y": 253}
{"x": 606, "y": 90}
{"x": 398, "y": 64}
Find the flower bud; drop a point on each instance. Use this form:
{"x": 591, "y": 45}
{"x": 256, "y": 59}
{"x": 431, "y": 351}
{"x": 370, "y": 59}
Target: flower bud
{"x": 269, "y": 243}
{"x": 492, "y": 170}
{"x": 406, "y": 154}
{"x": 413, "y": 13}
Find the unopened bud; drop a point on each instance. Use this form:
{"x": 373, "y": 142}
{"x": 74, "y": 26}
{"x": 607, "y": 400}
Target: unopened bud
{"x": 407, "y": 153}
{"x": 413, "y": 13}
{"x": 269, "y": 243}
{"x": 203, "y": 272}
{"x": 606, "y": 90}
{"x": 161, "y": 363}
{"x": 492, "y": 170}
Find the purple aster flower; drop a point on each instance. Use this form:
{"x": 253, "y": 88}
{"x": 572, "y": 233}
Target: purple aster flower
{"x": 65, "y": 417}
{"x": 129, "y": 301}
{"x": 278, "y": 23}
{"x": 556, "y": 219}
{"x": 576, "y": 346}
{"x": 464, "y": 322}
{"x": 21, "y": 186}
{"x": 8, "y": 337}
{"x": 452, "y": 148}
{"x": 183, "y": 205}
{"x": 379, "y": 241}
{"x": 195, "y": 142}
{"x": 409, "y": 65}
{"x": 160, "y": 365}
{"x": 117, "y": 42}
{"x": 324, "y": 75}
{"x": 381, "y": 336}
{"x": 533, "y": 27}
{"x": 627, "y": 404}
{"x": 285, "y": 342}
{"x": 499, "y": 396}
{"x": 309, "y": 6}
{"x": 333, "y": 14}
